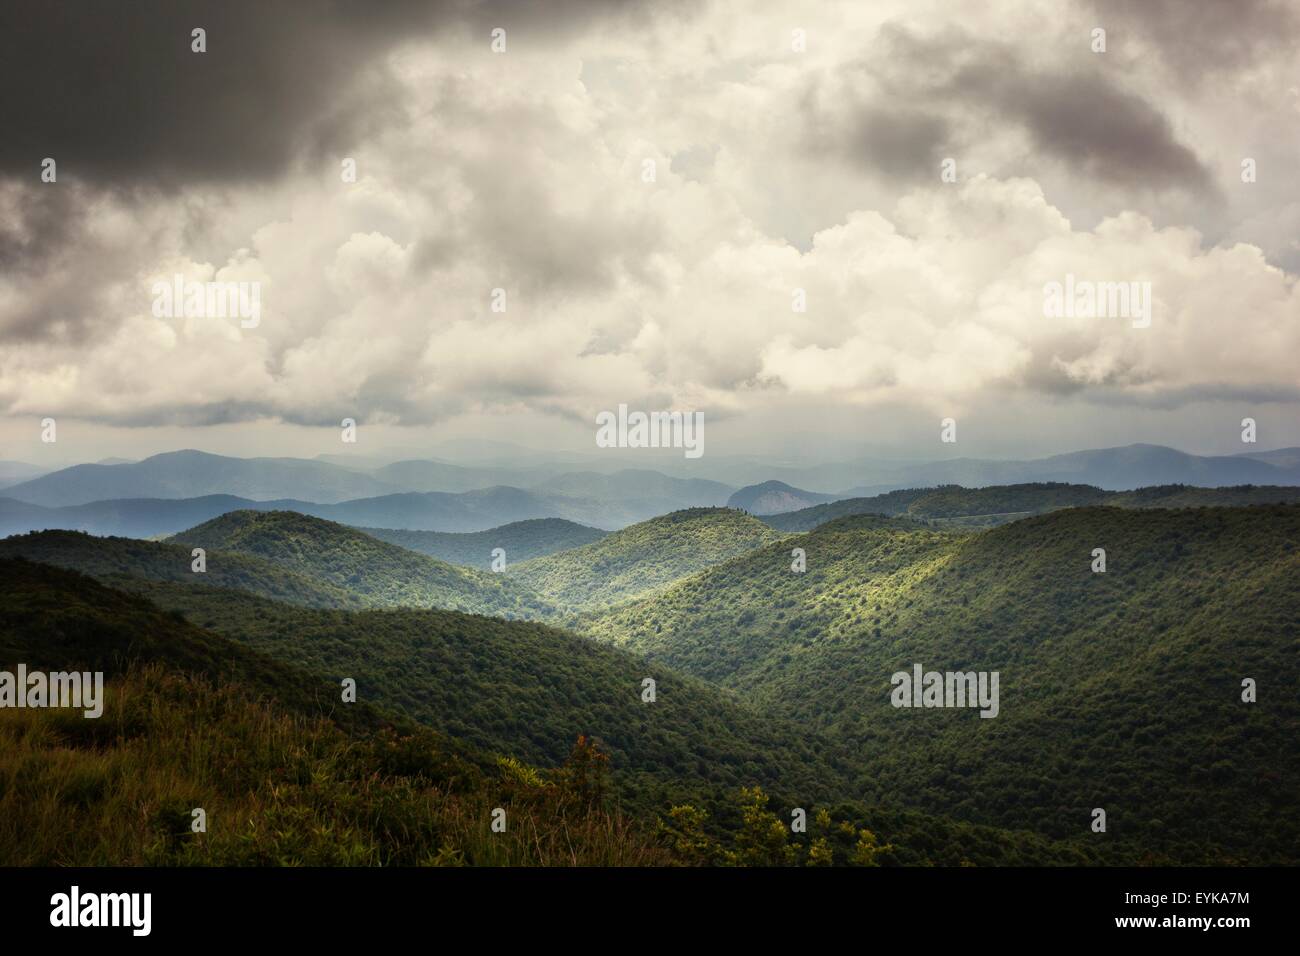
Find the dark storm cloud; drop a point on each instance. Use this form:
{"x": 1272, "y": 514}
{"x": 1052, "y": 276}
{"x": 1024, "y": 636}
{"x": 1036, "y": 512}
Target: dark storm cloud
{"x": 1204, "y": 37}
{"x": 1085, "y": 119}
{"x": 36, "y": 223}
{"x": 921, "y": 89}
{"x": 64, "y": 271}
{"x": 112, "y": 91}
{"x": 899, "y": 142}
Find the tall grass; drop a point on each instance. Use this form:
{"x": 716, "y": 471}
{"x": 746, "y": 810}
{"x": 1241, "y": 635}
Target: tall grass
{"x": 277, "y": 790}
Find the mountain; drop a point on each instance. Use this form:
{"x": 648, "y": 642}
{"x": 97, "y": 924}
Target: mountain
{"x": 629, "y": 483}
{"x": 740, "y": 613}
{"x": 805, "y": 519}
{"x": 1183, "y": 496}
{"x": 127, "y": 517}
{"x": 520, "y": 540}
{"x": 775, "y": 497}
{"x": 191, "y": 474}
{"x": 154, "y": 517}
{"x": 998, "y": 504}
{"x": 1281, "y": 457}
{"x": 382, "y": 574}
{"x": 1135, "y": 466}
{"x": 1113, "y": 469}
{"x": 121, "y": 562}
{"x": 427, "y": 475}
{"x": 639, "y": 559}
{"x": 150, "y": 517}
{"x": 482, "y": 510}
{"x": 1119, "y": 690}
{"x": 1110, "y": 468}
{"x": 12, "y": 472}
{"x": 603, "y": 490}
{"x": 465, "y": 512}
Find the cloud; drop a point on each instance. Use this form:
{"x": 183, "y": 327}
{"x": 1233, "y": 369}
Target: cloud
{"x": 1198, "y": 40}
{"x": 113, "y": 91}
{"x": 923, "y": 96}
{"x": 524, "y": 172}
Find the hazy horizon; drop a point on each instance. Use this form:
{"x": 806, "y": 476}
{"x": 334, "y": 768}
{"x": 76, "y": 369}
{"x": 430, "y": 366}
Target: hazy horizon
{"x": 827, "y": 230}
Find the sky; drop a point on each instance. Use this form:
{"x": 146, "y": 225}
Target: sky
{"x": 827, "y": 227}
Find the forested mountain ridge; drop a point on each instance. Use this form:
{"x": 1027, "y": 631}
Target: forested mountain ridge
{"x": 1002, "y": 503}
{"x": 113, "y": 560}
{"x": 382, "y": 574}
{"x": 1119, "y": 688}
{"x": 641, "y": 558}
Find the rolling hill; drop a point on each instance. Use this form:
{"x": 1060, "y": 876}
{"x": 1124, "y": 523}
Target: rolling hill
{"x": 637, "y": 560}
{"x": 520, "y": 540}
{"x": 381, "y": 574}
{"x": 122, "y": 561}
{"x": 775, "y": 497}
{"x": 805, "y": 519}
{"x": 57, "y": 619}
{"x": 527, "y": 690}
{"x": 1119, "y": 689}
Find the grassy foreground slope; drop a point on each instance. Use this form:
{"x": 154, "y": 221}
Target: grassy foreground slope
{"x": 286, "y": 773}
{"x": 521, "y": 540}
{"x": 642, "y": 558}
{"x": 278, "y": 790}
{"x": 381, "y": 574}
{"x": 1119, "y": 690}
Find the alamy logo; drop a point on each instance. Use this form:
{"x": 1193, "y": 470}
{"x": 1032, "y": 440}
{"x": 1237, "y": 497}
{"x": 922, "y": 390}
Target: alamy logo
{"x": 948, "y": 689}
{"x": 1098, "y": 300}
{"x": 179, "y": 299}
{"x": 77, "y": 689}
{"x": 651, "y": 430}
{"x": 103, "y": 909}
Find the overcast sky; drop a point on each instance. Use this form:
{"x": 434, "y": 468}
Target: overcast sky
{"x": 774, "y": 169}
